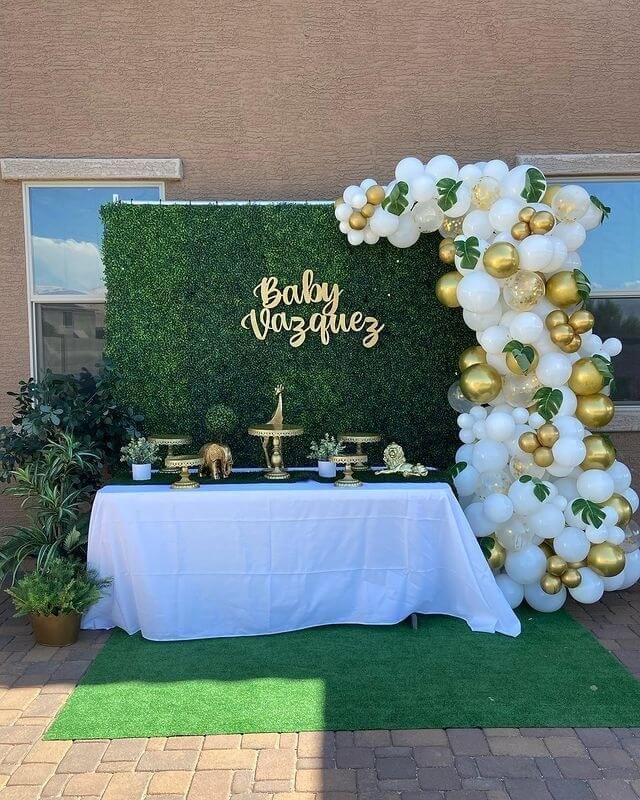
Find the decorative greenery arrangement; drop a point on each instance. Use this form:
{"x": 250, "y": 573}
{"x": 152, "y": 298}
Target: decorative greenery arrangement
{"x": 181, "y": 278}
{"x": 56, "y": 491}
{"x": 326, "y": 447}
{"x": 61, "y": 587}
{"x": 221, "y": 421}
{"x": 81, "y": 405}
{"x": 139, "y": 451}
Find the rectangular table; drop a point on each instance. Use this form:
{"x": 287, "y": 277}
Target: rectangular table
{"x": 247, "y": 559}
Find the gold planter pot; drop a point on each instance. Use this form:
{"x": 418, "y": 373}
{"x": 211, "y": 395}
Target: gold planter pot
{"x": 55, "y": 630}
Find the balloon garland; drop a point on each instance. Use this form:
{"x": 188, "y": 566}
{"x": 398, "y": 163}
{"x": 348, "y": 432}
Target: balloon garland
{"x": 547, "y": 498}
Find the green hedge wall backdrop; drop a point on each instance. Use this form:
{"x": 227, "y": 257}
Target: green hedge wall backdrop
{"x": 180, "y": 279}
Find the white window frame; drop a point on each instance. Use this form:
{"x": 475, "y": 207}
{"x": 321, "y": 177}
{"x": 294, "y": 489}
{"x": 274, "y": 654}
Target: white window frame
{"x": 34, "y": 299}
{"x": 596, "y": 168}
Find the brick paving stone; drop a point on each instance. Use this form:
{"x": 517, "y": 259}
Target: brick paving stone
{"x": 355, "y": 757}
{"x": 210, "y": 785}
{"x": 507, "y": 767}
{"x": 124, "y": 750}
{"x": 312, "y": 744}
{"x": 468, "y": 741}
{"x": 288, "y": 741}
{"x": 272, "y": 786}
{"x": 433, "y": 756}
{"x": 518, "y": 746}
{"x": 18, "y": 698}
{"x": 575, "y": 767}
{"x": 612, "y": 758}
{"x": 89, "y": 785}
{"x": 184, "y": 743}
{"x": 466, "y": 766}
{"x": 20, "y": 734}
{"x": 223, "y": 741}
{"x": 315, "y": 763}
{"x": 45, "y": 705}
{"x": 562, "y": 789}
{"x": 82, "y": 757}
{"x": 46, "y": 753}
{"x": 55, "y": 785}
{"x": 326, "y": 780}
{"x": 156, "y": 743}
{"x": 167, "y": 760}
{"x": 565, "y": 746}
{"x": 31, "y": 775}
{"x": 419, "y": 738}
{"x": 225, "y": 759}
{"x": 392, "y": 750}
{"x": 465, "y": 794}
{"x": 439, "y": 778}
{"x": 527, "y": 789}
{"x": 395, "y": 768}
{"x": 260, "y": 741}
{"x": 169, "y": 782}
{"x": 372, "y": 738}
{"x": 117, "y": 766}
{"x": 614, "y": 789}
{"x": 548, "y": 767}
{"x": 292, "y": 796}
{"x": 19, "y": 793}
{"x": 241, "y": 781}
{"x": 542, "y": 732}
{"x": 276, "y": 765}
{"x": 501, "y": 731}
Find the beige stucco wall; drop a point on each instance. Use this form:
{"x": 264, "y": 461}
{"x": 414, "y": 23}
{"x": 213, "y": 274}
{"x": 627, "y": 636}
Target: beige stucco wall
{"x": 290, "y": 99}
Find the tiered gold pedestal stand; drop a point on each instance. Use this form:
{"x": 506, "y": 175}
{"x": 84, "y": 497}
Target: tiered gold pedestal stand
{"x": 170, "y": 440}
{"x": 182, "y": 463}
{"x": 277, "y": 471}
{"x": 359, "y": 439}
{"x": 349, "y": 460}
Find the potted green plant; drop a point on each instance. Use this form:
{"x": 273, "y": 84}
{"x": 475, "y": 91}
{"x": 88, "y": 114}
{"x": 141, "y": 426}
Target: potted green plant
{"x": 322, "y": 451}
{"x": 55, "y": 597}
{"x": 140, "y": 454}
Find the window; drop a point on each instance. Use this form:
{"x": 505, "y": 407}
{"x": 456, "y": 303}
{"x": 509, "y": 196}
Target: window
{"x": 65, "y": 272}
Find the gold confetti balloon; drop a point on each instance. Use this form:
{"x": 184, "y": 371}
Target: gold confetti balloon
{"x": 600, "y": 452}
{"x": 594, "y": 410}
{"x": 501, "y": 260}
{"x": 447, "y": 288}
{"x": 523, "y": 290}
{"x": 451, "y": 227}
{"x": 606, "y": 559}
{"x": 480, "y": 383}
{"x": 485, "y": 193}
{"x": 470, "y": 356}
{"x": 562, "y": 289}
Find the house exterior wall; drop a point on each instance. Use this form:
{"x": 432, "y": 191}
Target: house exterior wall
{"x": 284, "y": 99}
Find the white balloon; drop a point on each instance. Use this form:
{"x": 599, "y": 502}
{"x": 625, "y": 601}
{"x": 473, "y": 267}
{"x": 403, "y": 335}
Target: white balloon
{"x": 566, "y": 487}
{"x": 513, "y": 592}
{"x": 559, "y": 501}
{"x": 367, "y": 183}
{"x": 464, "y": 453}
{"x": 358, "y": 200}
{"x": 383, "y": 223}
{"x": 470, "y": 173}
{"x": 558, "y": 471}
{"x": 467, "y": 436}
{"x": 343, "y": 212}
{"x": 344, "y": 227}
{"x": 500, "y": 426}
{"x": 423, "y": 187}
{"x": 513, "y": 535}
{"x": 536, "y": 420}
{"x": 498, "y": 508}
{"x": 574, "y": 520}
{"x": 478, "y": 412}
{"x": 569, "y": 426}
{"x": 350, "y": 193}
{"x": 571, "y": 233}
{"x": 614, "y": 534}
{"x": 554, "y": 369}
{"x": 370, "y": 237}
{"x": 465, "y": 420}
{"x": 591, "y": 588}
{"x": 632, "y": 569}
{"x": 480, "y": 322}
{"x": 503, "y": 214}
{"x": 478, "y": 292}
{"x": 496, "y": 169}
{"x": 527, "y": 565}
{"x": 612, "y": 346}
{"x": 513, "y": 183}
{"x": 494, "y": 338}
{"x": 463, "y": 202}
{"x": 409, "y": 168}
{"x": 476, "y": 223}
{"x": 614, "y": 584}
{"x": 599, "y": 535}
{"x": 427, "y": 216}
{"x": 539, "y": 600}
{"x": 479, "y": 430}
{"x": 466, "y": 481}
{"x": 355, "y": 237}
{"x": 591, "y": 343}
{"x": 478, "y": 522}
{"x": 547, "y": 522}
{"x": 559, "y": 255}
{"x": 569, "y": 401}
{"x": 621, "y": 475}
{"x": 572, "y": 544}
{"x": 442, "y": 167}
{"x": 569, "y": 451}
{"x": 523, "y": 498}
{"x": 632, "y": 497}
{"x": 535, "y": 252}
{"x": 595, "y": 485}
{"x": 490, "y": 456}
{"x": 520, "y": 415}
{"x": 406, "y": 234}
{"x": 526, "y": 327}
{"x": 498, "y": 361}
{"x": 592, "y": 218}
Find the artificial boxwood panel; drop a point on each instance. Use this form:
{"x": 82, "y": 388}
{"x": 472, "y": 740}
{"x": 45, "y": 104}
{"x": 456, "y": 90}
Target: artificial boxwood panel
{"x": 180, "y": 279}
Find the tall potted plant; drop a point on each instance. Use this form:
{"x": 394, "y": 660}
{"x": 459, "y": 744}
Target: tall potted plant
{"x": 322, "y": 451}
{"x": 55, "y": 598}
{"x": 140, "y": 455}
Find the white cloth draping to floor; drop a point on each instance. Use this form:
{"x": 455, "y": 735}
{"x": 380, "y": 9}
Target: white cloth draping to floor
{"x": 245, "y": 559}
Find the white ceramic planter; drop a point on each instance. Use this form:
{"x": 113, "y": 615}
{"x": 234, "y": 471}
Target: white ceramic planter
{"x": 326, "y": 469}
{"x": 141, "y": 472}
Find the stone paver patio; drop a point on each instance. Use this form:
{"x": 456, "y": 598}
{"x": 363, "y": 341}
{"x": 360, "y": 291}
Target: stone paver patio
{"x": 489, "y": 764}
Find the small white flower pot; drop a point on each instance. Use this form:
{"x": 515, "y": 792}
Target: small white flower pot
{"x": 326, "y": 469}
{"x": 141, "y": 472}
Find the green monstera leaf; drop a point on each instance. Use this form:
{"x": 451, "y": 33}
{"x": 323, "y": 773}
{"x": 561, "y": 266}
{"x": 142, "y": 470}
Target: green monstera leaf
{"x": 535, "y": 185}
{"x": 524, "y": 354}
{"x": 456, "y": 469}
{"x": 396, "y": 201}
{"x": 583, "y": 283}
{"x": 548, "y": 402}
{"x": 448, "y": 191}
{"x": 604, "y": 367}
{"x": 540, "y": 490}
{"x": 590, "y": 512}
{"x": 468, "y": 250}
{"x": 606, "y": 210}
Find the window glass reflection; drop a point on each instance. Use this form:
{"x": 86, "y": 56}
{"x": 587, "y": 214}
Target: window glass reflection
{"x": 620, "y": 317}
{"x": 69, "y": 337}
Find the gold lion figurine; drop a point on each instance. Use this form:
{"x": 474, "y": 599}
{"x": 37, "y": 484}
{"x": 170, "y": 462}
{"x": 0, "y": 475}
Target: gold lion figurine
{"x": 395, "y": 462}
{"x": 216, "y": 460}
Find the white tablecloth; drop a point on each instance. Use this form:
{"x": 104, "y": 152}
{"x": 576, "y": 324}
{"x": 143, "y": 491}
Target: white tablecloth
{"x": 245, "y": 559}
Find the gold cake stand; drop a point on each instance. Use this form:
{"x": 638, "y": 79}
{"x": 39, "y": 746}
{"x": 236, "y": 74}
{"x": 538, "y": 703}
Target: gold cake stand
{"x": 277, "y": 471}
{"x": 349, "y": 460}
{"x": 359, "y": 439}
{"x": 170, "y": 440}
{"x": 182, "y": 463}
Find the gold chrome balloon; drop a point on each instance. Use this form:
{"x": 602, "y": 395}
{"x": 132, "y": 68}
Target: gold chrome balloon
{"x": 550, "y": 584}
{"x": 621, "y": 506}
{"x": 542, "y": 222}
{"x": 562, "y": 289}
{"x": 480, "y": 383}
{"x": 447, "y": 288}
{"x": 562, "y": 334}
{"x": 368, "y": 210}
{"x": 606, "y": 559}
{"x": 501, "y": 259}
{"x": 375, "y": 195}
{"x": 574, "y": 345}
{"x": 543, "y": 456}
{"x": 582, "y": 320}
{"x": 571, "y": 578}
{"x": 556, "y": 318}
{"x": 585, "y": 377}
{"x": 556, "y": 565}
{"x": 447, "y": 251}
{"x": 470, "y": 356}
{"x": 520, "y": 231}
{"x": 526, "y": 214}
{"x": 357, "y": 221}
{"x": 600, "y": 452}
{"x": 497, "y": 555}
{"x": 547, "y": 549}
{"x": 528, "y": 442}
{"x": 548, "y": 434}
{"x": 594, "y": 410}
{"x": 514, "y": 367}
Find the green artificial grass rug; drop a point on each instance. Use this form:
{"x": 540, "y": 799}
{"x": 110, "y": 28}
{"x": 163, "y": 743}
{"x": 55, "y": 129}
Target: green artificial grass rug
{"x": 555, "y": 674}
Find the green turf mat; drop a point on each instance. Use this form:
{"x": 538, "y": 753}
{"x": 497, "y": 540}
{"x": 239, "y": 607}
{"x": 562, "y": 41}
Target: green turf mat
{"x": 555, "y": 674}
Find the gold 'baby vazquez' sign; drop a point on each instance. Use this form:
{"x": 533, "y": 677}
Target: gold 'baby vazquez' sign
{"x": 326, "y": 322}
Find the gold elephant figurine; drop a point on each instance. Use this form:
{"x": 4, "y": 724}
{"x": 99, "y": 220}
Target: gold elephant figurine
{"x": 216, "y": 460}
